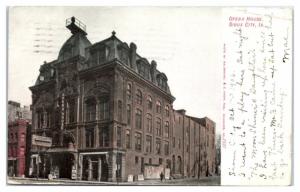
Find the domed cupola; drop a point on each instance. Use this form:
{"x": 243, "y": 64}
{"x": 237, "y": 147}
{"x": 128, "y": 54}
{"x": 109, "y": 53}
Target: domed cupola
{"x": 77, "y": 43}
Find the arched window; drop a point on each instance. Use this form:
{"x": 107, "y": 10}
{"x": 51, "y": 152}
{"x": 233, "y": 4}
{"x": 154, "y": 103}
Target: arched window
{"x": 128, "y": 91}
{"x": 158, "y": 107}
{"x": 167, "y": 129}
{"x": 149, "y": 102}
{"x": 167, "y": 110}
{"x": 139, "y": 97}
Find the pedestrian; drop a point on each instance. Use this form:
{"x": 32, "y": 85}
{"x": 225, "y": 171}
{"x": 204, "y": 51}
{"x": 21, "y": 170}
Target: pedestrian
{"x": 161, "y": 176}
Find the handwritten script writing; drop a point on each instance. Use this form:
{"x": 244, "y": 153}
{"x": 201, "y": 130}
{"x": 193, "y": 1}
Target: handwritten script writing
{"x": 257, "y": 103}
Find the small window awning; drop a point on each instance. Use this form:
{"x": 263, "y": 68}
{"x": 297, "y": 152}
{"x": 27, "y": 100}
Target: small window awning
{"x": 61, "y": 150}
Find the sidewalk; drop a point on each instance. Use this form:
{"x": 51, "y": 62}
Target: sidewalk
{"x": 187, "y": 181}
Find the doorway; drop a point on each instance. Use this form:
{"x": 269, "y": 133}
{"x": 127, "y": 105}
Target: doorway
{"x": 65, "y": 162}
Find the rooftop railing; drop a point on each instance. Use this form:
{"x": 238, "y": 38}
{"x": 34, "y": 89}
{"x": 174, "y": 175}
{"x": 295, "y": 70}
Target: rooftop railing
{"x": 77, "y": 22}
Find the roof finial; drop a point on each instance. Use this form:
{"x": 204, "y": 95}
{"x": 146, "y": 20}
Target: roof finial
{"x": 113, "y": 33}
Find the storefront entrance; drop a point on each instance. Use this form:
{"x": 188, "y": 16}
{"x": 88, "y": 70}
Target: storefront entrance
{"x": 65, "y": 165}
{"x": 94, "y": 168}
{"x": 62, "y": 164}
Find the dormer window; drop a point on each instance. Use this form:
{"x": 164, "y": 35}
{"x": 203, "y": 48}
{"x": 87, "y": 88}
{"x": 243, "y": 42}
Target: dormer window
{"x": 143, "y": 68}
{"x": 162, "y": 81}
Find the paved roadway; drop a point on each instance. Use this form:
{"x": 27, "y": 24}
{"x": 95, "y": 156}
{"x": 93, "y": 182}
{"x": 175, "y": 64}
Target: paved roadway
{"x": 214, "y": 180}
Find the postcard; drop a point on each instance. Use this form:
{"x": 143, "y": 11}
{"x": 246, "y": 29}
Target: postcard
{"x": 145, "y": 96}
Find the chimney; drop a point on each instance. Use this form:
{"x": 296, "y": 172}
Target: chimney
{"x": 133, "y": 56}
{"x": 153, "y": 71}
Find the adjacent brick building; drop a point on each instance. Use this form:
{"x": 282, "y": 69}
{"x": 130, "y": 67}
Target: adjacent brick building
{"x": 17, "y": 147}
{"x": 102, "y": 112}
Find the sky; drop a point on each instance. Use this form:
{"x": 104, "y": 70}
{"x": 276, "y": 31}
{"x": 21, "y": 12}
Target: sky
{"x": 184, "y": 41}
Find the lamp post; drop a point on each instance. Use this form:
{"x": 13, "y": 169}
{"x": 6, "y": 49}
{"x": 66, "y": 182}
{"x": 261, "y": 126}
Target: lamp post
{"x": 38, "y": 165}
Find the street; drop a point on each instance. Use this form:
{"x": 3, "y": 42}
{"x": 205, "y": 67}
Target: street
{"x": 209, "y": 181}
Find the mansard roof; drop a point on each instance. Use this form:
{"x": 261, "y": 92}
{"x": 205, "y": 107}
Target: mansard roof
{"x": 103, "y": 52}
{"x": 123, "y": 52}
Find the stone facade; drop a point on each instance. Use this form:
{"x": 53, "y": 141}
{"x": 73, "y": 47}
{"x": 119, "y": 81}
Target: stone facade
{"x": 109, "y": 112}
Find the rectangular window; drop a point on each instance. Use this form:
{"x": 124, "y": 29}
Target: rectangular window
{"x": 89, "y": 137}
{"x": 158, "y": 127}
{"x": 22, "y": 137}
{"x": 128, "y": 114}
{"x": 179, "y": 143}
{"x": 138, "y": 119}
{"x": 48, "y": 118}
{"x": 166, "y": 129}
{"x": 136, "y": 159}
{"x": 120, "y": 111}
{"x": 166, "y": 148}
{"x": 22, "y": 151}
{"x": 90, "y": 111}
{"x": 119, "y": 136}
{"x": 127, "y": 139}
{"x": 104, "y": 136}
{"x": 149, "y": 123}
{"x": 40, "y": 119}
{"x": 173, "y": 142}
{"x": 160, "y": 161}
{"x": 138, "y": 141}
{"x": 148, "y": 144}
{"x": 71, "y": 111}
{"x": 158, "y": 146}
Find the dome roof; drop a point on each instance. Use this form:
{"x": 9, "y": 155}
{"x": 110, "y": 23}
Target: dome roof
{"x": 74, "y": 46}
